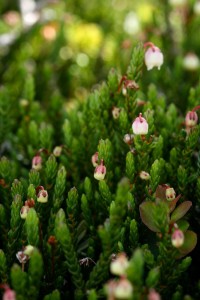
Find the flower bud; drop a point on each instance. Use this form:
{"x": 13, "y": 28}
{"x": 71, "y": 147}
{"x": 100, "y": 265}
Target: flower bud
{"x": 9, "y": 294}
{"x": 28, "y": 250}
{"x": 116, "y": 112}
{"x": 100, "y": 171}
{"x": 128, "y": 139}
{"x": 24, "y": 211}
{"x": 191, "y": 62}
{"x": 57, "y": 151}
{"x": 119, "y": 265}
{"x": 95, "y": 159}
{"x": 144, "y": 175}
{"x": 177, "y": 238}
{"x": 140, "y": 125}
{"x": 42, "y": 196}
{"x": 153, "y": 295}
{"x": 191, "y": 119}
{"x": 37, "y": 162}
{"x": 124, "y": 289}
{"x": 170, "y": 194}
{"x": 153, "y": 58}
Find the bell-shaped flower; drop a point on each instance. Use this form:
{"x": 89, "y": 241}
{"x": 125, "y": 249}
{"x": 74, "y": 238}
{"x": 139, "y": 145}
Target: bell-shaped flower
{"x": 140, "y": 125}
{"x": 119, "y": 265}
{"x": 177, "y": 238}
{"x": 37, "y": 162}
{"x": 153, "y": 57}
{"x": 100, "y": 171}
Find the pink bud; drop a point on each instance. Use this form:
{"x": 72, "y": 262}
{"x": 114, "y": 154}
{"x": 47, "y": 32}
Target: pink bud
{"x": 37, "y": 162}
{"x": 100, "y": 171}
{"x": 95, "y": 159}
{"x": 153, "y": 295}
{"x": 153, "y": 57}
{"x": 9, "y": 295}
{"x": 177, "y": 238}
{"x": 191, "y": 119}
{"x": 140, "y": 125}
{"x": 42, "y": 196}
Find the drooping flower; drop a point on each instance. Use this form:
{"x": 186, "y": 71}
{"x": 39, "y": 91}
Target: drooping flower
{"x": 9, "y": 294}
{"x": 153, "y": 295}
{"x": 95, "y": 159}
{"x": 153, "y": 56}
{"x": 128, "y": 138}
{"x": 124, "y": 289}
{"x": 57, "y": 151}
{"x": 144, "y": 175}
{"x": 116, "y": 112}
{"x": 119, "y": 265}
{"x": 170, "y": 194}
{"x": 100, "y": 171}
{"x": 191, "y": 62}
{"x": 42, "y": 196}
{"x": 140, "y": 125}
{"x": 28, "y": 250}
{"x": 37, "y": 162}
{"x": 191, "y": 119}
{"x": 22, "y": 257}
{"x": 24, "y": 211}
{"x": 177, "y": 238}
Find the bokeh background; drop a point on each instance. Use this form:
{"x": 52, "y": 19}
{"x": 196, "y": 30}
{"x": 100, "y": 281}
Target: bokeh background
{"x": 69, "y": 46}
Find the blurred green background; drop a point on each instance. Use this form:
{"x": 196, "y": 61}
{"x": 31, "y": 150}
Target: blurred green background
{"x": 69, "y": 46}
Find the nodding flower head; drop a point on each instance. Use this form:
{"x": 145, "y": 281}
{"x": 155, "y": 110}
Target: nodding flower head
{"x": 144, "y": 175}
{"x": 123, "y": 289}
{"x": 170, "y": 194}
{"x": 140, "y": 125}
{"x": 95, "y": 159}
{"x": 177, "y": 238}
{"x": 9, "y": 294}
{"x": 57, "y": 151}
{"x": 153, "y": 56}
{"x": 42, "y": 196}
{"x": 191, "y": 119}
{"x": 24, "y": 211}
{"x": 37, "y": 162}
{"x": 100, "y": 171}
{"x": 119, "y": 265}
{"x": 191, "y": 62}
{"x": 153, "y": 295}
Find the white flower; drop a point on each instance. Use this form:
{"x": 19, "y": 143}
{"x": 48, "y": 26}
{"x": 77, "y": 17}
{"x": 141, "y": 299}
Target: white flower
{"x": 131, "y": 23}
{"x": 124, "y": 289}
{"x": 197, "y": 8}
{"x": 191, "y": 62}
{"x": 153, "y": 57}
{"x": 177, "y": 3}
{"x": 119, "y": 265}
{"x": 170, "y": 194}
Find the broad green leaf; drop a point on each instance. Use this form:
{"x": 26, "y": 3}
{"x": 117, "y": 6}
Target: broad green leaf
{"x": 183, "y": 225}
{"x": 155, "y": 215}
{"x": 180, "y": 211}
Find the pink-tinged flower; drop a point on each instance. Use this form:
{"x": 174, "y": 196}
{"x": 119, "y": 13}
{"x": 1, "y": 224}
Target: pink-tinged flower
{"x": 153, "y": 56}
{"x": 191, "y": 62}
{"x": 191, "y": 119}
{"x": 124, "y": 289}
{"x": 153, "y": 295}
{"x": 128, "y": 138}
{"x": 177, "y": 238}
{"x": 9, "y": 294}
{"x": 144, "y": 175}
{"x": 100, "y": 171}
{"x": 119, "y": 265}
{"x": 170, "y": 194}
{"x": 57, "y": 151}
{"x": 24, "y": 211}
{"x": 140, "y": 125}
{"x": 37, "y": 162}
{"x": 95, "y": 159}
{"x": 42, "y": 196}
{"x": 22, "y": 257}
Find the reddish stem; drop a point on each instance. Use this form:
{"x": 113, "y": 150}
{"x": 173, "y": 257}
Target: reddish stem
{"x": 196, "y": 108}
{"x": 149, "y": 44}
